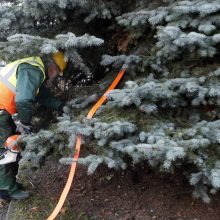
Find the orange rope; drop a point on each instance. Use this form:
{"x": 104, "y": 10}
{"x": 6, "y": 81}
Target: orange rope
{"x": 77, "y": 150}
{"x": 103, "y": 98}
{"x": 68, "y": 183}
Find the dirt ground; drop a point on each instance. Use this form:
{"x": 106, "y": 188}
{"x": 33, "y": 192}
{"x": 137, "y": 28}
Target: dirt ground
{"x": 3, "y": 210}
{"x": 122, "y": 195}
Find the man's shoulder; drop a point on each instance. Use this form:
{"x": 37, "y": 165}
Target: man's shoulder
{"x": 29, "y": 69}
{"x": 28, "y": 66}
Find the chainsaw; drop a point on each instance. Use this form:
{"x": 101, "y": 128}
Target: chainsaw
{"x": 11, "y": 151}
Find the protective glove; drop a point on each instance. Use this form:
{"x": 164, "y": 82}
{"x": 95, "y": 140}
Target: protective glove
{"x": 66, "y": 109}
{"x": 23, "y": 129}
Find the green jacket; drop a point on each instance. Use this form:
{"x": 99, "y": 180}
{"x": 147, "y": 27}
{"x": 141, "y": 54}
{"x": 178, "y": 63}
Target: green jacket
{"x": 29, "y": 80}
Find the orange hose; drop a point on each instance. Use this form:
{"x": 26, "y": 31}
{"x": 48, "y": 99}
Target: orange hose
{"x": 77, "y": 149}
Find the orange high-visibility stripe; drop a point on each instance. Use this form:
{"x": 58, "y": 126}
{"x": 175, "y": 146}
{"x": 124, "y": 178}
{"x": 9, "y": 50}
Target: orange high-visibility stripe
{"x": 77, "y": 149}
{"x": 7, "y": 99}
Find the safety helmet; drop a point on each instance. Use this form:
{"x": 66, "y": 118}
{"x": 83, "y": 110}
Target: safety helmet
{"x": 58, "y": 58}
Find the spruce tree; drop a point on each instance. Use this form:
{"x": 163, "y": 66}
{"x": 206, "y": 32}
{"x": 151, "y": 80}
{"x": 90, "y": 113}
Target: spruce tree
{"x": 166, "y": 111}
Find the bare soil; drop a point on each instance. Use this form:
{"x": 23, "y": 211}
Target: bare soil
{"x": 3, "y": 209}
{"x": 123, "y": 195}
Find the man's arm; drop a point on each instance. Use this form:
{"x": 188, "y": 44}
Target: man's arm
{"x": 29, "y": 80}
{"x": 47, "y": 99}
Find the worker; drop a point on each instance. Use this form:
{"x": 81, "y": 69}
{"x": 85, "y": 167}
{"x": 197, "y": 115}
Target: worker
{"x": 21, "y": 84}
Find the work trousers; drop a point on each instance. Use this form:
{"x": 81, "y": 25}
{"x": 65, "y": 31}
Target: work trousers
{"x": 9, "y": 171}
